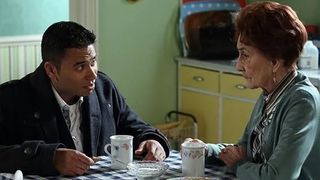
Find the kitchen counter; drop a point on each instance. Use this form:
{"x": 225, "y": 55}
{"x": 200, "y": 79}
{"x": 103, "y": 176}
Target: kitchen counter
{"x": 229, "y": 66}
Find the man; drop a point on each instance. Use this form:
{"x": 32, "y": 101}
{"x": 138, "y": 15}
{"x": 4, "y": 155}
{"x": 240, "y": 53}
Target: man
{"x": 54, "y": 120}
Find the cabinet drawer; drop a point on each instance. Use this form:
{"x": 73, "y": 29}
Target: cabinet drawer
{"x": 234, "y": 85}
{"x": 199, "y": 78}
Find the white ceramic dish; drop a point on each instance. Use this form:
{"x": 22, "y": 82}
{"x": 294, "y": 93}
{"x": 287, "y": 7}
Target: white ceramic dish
{"x": 147, "y": 169}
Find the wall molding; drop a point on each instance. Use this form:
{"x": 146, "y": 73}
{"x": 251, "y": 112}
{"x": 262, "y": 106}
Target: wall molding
{"x": 4, "y": 40}
{"x": 86, "y": 13}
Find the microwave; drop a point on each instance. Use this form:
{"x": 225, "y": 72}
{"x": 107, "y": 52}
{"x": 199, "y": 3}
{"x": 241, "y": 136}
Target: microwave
{"x": 211, "y": 35}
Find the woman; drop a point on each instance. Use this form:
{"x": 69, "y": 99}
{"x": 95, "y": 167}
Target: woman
{"x": 281, "y": 140}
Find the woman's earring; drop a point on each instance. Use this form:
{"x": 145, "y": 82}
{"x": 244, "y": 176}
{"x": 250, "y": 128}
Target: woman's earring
{"x": 274, "y": 78}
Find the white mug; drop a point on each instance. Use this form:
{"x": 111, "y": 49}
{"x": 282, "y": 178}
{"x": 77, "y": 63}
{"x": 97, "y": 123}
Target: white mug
{"x": 121, "y": 151}
{"x": 193, "y": 157}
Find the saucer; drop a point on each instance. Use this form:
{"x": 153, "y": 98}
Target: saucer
{"x": 191, "y": 178}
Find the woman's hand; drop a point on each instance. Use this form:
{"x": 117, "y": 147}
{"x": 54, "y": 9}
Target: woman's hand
{"x": 232, "y": 154}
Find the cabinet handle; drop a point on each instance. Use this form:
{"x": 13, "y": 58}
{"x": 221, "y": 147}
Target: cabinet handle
{"x": 198, "y": 78}
{"x": 240, "y": 86}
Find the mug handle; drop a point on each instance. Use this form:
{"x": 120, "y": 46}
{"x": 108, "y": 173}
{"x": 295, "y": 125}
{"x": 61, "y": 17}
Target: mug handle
{"x": 106, "y": 149}
{"x": 109, "y": 154}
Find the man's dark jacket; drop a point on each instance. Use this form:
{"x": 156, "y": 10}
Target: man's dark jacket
{"x": 32, "y": 125}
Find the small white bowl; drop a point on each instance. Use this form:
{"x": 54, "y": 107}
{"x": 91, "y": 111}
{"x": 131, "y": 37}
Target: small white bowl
{"x": 147, "y": 169}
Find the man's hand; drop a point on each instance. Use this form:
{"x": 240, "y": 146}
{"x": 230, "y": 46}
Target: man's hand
{"x": 232, "y": 154}
{"x": 155, "y": 151}
{"x": 71, "y": 162}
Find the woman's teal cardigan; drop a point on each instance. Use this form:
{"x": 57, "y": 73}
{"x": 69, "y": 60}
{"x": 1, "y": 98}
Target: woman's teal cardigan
{"x": 291, "y": 141}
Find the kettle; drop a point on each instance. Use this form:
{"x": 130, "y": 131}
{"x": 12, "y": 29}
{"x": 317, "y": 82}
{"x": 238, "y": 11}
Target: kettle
{"x": 309, "y": 56}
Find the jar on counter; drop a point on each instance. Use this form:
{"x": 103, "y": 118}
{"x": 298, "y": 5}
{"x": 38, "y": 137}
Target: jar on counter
{"x": 309, "y": 56}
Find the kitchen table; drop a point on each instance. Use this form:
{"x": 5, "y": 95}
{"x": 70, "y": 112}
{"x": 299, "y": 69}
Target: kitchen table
{"x": 102, "y": 170}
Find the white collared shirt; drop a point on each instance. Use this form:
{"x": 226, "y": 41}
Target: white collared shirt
{"x": 75, "y": 118}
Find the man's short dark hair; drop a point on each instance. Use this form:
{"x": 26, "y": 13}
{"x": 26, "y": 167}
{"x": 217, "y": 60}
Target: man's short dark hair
{"x": 61, "y": 36}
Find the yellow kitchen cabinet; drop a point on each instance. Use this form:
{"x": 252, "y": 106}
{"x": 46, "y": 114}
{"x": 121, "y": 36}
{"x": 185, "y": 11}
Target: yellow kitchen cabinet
{"x": 199, "y": 78}
{"x": 235, "y": 116}
{"x": 216, "y": 95}
{"x": 198, "y": 95}
{"x": 237, "y": 104}
{"x": 205, "y": 108}
{"x": 234, "y": 85}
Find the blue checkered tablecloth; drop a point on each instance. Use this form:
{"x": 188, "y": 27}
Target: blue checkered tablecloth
{"x": 102, "y": 170}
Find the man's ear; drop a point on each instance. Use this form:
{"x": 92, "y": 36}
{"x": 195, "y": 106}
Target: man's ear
{"x": 51, "y": 71}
